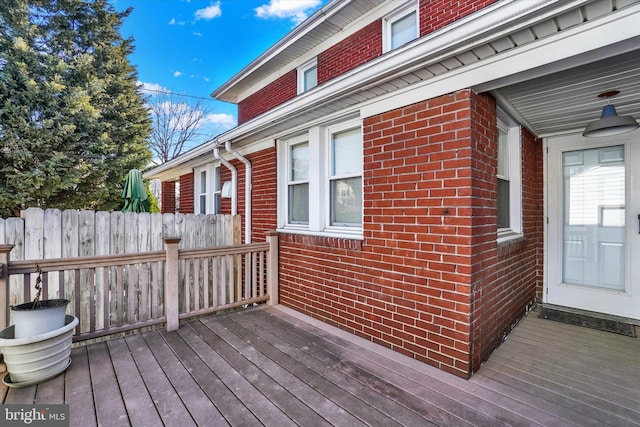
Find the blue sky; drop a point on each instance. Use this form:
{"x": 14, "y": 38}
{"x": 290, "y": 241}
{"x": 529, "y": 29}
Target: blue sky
{"x": 191, "y": 47}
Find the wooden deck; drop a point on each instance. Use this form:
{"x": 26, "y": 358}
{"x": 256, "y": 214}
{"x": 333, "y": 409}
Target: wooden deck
{"x": 271, "y": 366}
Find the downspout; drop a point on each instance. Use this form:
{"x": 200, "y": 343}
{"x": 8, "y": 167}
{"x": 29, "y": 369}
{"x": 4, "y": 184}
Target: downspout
{"x": 234, "y": 180}
{"x": 247, "y": 191}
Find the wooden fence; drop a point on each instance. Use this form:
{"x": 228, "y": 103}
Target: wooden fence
{"x": 53, "y": 234}
{"x": 117, "y": 293}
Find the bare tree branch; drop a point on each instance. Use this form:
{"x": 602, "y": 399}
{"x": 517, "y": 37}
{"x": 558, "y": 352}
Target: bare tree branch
{"x": 176, "y": 124}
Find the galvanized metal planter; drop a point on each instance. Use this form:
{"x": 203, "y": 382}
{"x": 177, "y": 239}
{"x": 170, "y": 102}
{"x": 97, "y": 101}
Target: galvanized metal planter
{"x": 35, "y": 359}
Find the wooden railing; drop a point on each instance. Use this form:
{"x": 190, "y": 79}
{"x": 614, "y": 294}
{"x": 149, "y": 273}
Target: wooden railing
{"x": 117, "y": 293}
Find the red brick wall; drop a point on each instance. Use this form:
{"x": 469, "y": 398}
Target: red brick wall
{"x": 435, "y": 14}
{"x": 186, "y": 193}
{"x": 168, "y": 197}
{"x": 263, "y": 191}
{"x": 263, "y": 201}
{"x": 506, "y": 276}
{"x": 427, "y": 267}
{"x": 270, "y": 96}
{"x": 355, "y": 50}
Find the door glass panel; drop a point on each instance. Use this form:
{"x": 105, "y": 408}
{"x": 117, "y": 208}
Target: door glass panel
{"x": 594, "y": 217}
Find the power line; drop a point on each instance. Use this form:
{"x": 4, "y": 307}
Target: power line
{"x": 176, "y": 94}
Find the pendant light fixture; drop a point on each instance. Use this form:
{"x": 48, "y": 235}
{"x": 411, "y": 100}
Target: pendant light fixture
{"x": 610, "y": 123}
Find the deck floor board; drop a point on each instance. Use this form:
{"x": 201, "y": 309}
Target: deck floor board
{"x": 170, "y": 407}
{"x": 271, "y": 366}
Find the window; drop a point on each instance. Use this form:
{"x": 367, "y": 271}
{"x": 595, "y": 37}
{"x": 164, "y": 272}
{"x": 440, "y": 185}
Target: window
{"x": 509, "y": 191}
{"x": 320, "y": 181}
{"x": 308, "y": 76}
{"x": 207, "y": 189}
{"x": 401, "y": 26}
{"x": 217, "y": 190}
{"x": 299, "y": 183}
{"x": 202, "y": 190}
{"x": 346, "y": 178}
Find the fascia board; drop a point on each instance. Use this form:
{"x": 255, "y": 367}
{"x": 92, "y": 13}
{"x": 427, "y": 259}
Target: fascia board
{"x": 494, "y": 21}
{"x": 358, "y": 24}
{"x": 289, "y": 39}
{"x": 610, "y": 30}
{"x": 177, "y": 162}
{"x": 498, "y": 19}
{"x": 199, "y": 156}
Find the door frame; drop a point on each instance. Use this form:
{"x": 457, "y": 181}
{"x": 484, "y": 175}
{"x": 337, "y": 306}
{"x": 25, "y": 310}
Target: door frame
{"x": 632, "y": 148}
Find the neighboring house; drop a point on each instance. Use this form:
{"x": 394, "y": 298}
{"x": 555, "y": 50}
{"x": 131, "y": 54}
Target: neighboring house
{"x": 424, "y": 164}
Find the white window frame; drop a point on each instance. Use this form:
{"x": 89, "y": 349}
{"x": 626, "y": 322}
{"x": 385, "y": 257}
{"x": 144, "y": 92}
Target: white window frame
{"x": 393, "y": 17}
{"x": 301, "y": 74}
{"x": 330, "y": 131}
{"x": 319, "y": 139}
{"x": 511, "y": 128}
{"x": 217, "y": 189}
{"x": 212, "y": 188}
{"x": 291, "y": 143}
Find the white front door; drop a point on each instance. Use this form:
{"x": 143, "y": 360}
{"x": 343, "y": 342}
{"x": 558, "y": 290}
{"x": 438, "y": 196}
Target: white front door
{"x": 593, "y": 233}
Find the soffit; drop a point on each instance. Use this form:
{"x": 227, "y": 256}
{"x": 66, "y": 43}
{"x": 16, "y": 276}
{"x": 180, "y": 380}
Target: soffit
{"x": 520, "y": 97}
{"x": 324, "y": 24}
{"x": 422, "y": 70}
{"x": 566, "y": 101}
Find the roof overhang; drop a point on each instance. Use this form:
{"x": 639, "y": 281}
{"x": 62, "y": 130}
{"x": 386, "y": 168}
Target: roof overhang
{"x": 319, "y": 27}
{"x": 509, "y": 38}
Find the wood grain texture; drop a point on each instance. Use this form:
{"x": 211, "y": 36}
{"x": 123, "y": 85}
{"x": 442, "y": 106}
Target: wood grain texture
{"x": 275, "y": 367}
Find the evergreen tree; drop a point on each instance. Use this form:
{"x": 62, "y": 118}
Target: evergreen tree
{"x": 72, "y": 121}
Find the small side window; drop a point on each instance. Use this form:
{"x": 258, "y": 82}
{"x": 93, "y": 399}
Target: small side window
{"x": 308, "y": 76}
{"x": 401, "y": 26}
{"x": 509, "y": 177}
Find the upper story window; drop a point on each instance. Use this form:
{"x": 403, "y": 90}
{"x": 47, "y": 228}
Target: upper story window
{"x": 401, "y": 26}
{"x": 320, "y": 181}
{"x": 509, "y": 178}
{"x": 208, "y": 189}
{"x": 308, "y": 76}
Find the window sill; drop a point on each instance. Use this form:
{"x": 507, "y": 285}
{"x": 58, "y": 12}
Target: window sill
{"x": 507, "y": 235}
{"x": 509, "y": 243}
{"x": 337, "y": 234}
{"x": 326, "y": 241}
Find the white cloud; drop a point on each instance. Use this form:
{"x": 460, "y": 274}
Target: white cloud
{"x": 210, "y": 12}
{"x": 174, "y": 22}
{"x": 177, "y": 73}
{"x": 296, "y": 10}
{"x": 152, "y": 87}
{"x": 225, "y": 121}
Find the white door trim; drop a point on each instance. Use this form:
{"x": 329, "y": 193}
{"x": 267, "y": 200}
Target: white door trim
{"x": 622, "y": 303}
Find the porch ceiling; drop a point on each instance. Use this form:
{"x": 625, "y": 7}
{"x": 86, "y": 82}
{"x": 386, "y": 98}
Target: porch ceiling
{"x": 565, "y": 101}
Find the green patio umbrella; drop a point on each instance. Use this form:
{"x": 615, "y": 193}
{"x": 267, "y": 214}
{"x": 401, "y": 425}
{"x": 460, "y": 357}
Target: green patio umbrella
{"x": 134, "y": 193}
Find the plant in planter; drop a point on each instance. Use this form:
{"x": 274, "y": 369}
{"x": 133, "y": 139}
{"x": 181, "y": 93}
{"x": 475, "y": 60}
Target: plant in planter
{"x": 38, "y": 345}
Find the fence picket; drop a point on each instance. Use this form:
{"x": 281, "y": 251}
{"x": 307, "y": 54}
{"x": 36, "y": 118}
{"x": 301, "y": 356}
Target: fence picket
{"x": 14, "y": 234}
{"x": 53, "y": 246}
{"x": 51, "y": 234}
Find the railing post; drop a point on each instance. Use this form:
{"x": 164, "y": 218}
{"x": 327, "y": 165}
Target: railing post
{"x": 171, "y": 283}
{"x": 273, "y": 286}
{"x": 5, "y": 249}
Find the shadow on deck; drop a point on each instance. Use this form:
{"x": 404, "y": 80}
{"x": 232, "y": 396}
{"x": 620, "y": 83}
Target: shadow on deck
{"x": 272, "y": 366}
